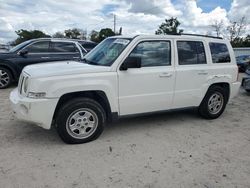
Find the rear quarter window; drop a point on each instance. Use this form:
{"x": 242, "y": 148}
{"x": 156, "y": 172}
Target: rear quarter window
{"x": 219, "y": 52}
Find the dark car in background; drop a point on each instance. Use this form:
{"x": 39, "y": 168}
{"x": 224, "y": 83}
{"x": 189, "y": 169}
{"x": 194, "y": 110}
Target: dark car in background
{"x": 243, "y": 62}
{"x": 87, "y": 45}
{"x": 246, "y": 80}
{"x": 37, "y": 51}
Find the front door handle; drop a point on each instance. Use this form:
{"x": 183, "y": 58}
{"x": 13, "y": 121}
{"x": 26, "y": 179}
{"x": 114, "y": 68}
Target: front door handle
{"x": 45, "y": 57}
{"x": 165, "y": 74}
{"x": 202, "y": 73}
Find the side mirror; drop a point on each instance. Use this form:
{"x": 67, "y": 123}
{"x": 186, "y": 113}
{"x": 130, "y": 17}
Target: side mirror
{"x": 131, "y": 62}
{"x": 23, "y": 52}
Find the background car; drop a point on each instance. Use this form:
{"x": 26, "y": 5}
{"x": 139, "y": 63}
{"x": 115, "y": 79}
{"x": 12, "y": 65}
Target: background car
{"x": 36, "y": 51}
{"x": 243, "y": 62}
{"x": 87, "y": 45}
{"x": 246, "y": 80}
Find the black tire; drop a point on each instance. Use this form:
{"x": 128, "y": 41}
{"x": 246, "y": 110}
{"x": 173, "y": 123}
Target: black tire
{"x": 64, "y": 117}
{"x": 204, "y": 109}
{"x": 7, "y": 74}
{"x": 248, "y": 90}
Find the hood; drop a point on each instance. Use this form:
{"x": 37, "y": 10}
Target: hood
{"x": 5, "y": 55}
{"x": 61, "y": 68}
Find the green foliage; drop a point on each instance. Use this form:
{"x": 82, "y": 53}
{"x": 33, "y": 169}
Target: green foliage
{"x": 104, "y": 33}
{"x": 72, "y": 33}
{"x": 241, "y": 42}
{"x": 58, "y": 35}
{"x": 24, "y": 35}
{"x": 94, "y": 36}
{"x": 169, "y": 27}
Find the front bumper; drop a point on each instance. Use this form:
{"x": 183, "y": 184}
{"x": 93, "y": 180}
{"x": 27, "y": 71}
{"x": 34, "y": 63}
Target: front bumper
{"x": 37, "y": 111}
{"x": 235, "y": 87}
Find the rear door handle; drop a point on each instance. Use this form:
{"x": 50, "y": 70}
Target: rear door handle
{"x": 45, "y": 57}
{"x": 165, "y": 74}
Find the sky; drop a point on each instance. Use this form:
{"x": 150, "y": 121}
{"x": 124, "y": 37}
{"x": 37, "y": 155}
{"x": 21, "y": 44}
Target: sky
{"x": 134, "y": 16}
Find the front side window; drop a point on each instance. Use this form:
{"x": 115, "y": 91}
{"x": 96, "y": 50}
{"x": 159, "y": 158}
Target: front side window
{"x": 38, "y": 47}
{"x": 191, "y": 52}
{"x": 20, "y": 46}
{"x": 64, "y": 47}
{"x": 219, "y": 52}
{"x": 153, "y": 53}
{"x": 107, "y": 51}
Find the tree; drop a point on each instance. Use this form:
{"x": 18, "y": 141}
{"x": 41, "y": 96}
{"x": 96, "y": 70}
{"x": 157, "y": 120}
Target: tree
{"x": 94, "y": 36}
{"x": 170, "y": 26}
{"x": 104, "y": 33}
{"x": 246, "y": 41}
{"x": 58, "y": 35}
{"x": 236, "y": 29}
{"x": 75, "y": 33}
{"x": 72, "y": 33}
{"x": 24, "y": 35}
{"x": 218, "y": 27}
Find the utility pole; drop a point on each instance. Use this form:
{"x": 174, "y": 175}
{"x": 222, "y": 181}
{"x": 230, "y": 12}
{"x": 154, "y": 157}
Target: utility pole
{"x": 114, "y": 22}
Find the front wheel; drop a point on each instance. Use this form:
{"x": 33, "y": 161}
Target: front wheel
{"x": 80, "y": 120}
{"x": 214, "y": 103}
{"x": 5, "y": 78}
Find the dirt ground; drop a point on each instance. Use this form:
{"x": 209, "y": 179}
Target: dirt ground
{"x": 175, "y": 149}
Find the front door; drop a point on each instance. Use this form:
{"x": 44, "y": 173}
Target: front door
{"x": 151, "y": 87}
{"x": 37, "y": 52}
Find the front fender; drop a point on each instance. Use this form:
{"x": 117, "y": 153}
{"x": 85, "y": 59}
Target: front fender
{"x": 12, "y": 67}
{"x": 55, "y": 87}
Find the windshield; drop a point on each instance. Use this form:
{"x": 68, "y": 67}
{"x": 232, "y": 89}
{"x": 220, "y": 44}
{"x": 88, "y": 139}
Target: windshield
{"x": 19, "y": 46}
{"x": 107, "y": 51}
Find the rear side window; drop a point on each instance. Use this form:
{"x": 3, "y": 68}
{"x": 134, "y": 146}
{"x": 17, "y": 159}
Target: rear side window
{"x": 219, "y": 52}
{"x": 38, "y": 47}
{"x": 63, "y": 47}
{"x": 153, "y": 53}
{"x": 191, "y": 52}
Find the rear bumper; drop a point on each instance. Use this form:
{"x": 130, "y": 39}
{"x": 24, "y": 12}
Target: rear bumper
{"x": 235, "y": 87}
{"x": 37, "y": 111}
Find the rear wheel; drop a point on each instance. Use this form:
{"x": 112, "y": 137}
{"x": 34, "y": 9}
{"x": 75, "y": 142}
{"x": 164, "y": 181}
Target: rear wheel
{"x": 5, "y": 78}
{"x": 214, "y": 103}
{"x": 80, "y": 120}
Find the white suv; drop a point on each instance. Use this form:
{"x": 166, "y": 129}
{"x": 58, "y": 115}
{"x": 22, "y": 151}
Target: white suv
{"x": 125, "y": 76}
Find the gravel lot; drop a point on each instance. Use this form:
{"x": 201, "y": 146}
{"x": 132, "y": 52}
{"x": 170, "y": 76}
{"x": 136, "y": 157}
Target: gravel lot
{"x": 175, "y": 149}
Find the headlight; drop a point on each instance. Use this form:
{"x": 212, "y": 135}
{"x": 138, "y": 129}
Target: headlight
{"x": 37, "y": 95}
{"x": 25, "y": 84}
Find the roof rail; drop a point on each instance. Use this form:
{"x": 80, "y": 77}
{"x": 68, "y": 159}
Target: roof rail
{"x": 189, "y": 34}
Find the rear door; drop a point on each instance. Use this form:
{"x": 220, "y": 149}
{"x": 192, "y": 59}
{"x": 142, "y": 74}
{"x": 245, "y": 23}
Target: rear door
{"x": 192, "y": 71}
{"x": 64, "y": 51}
